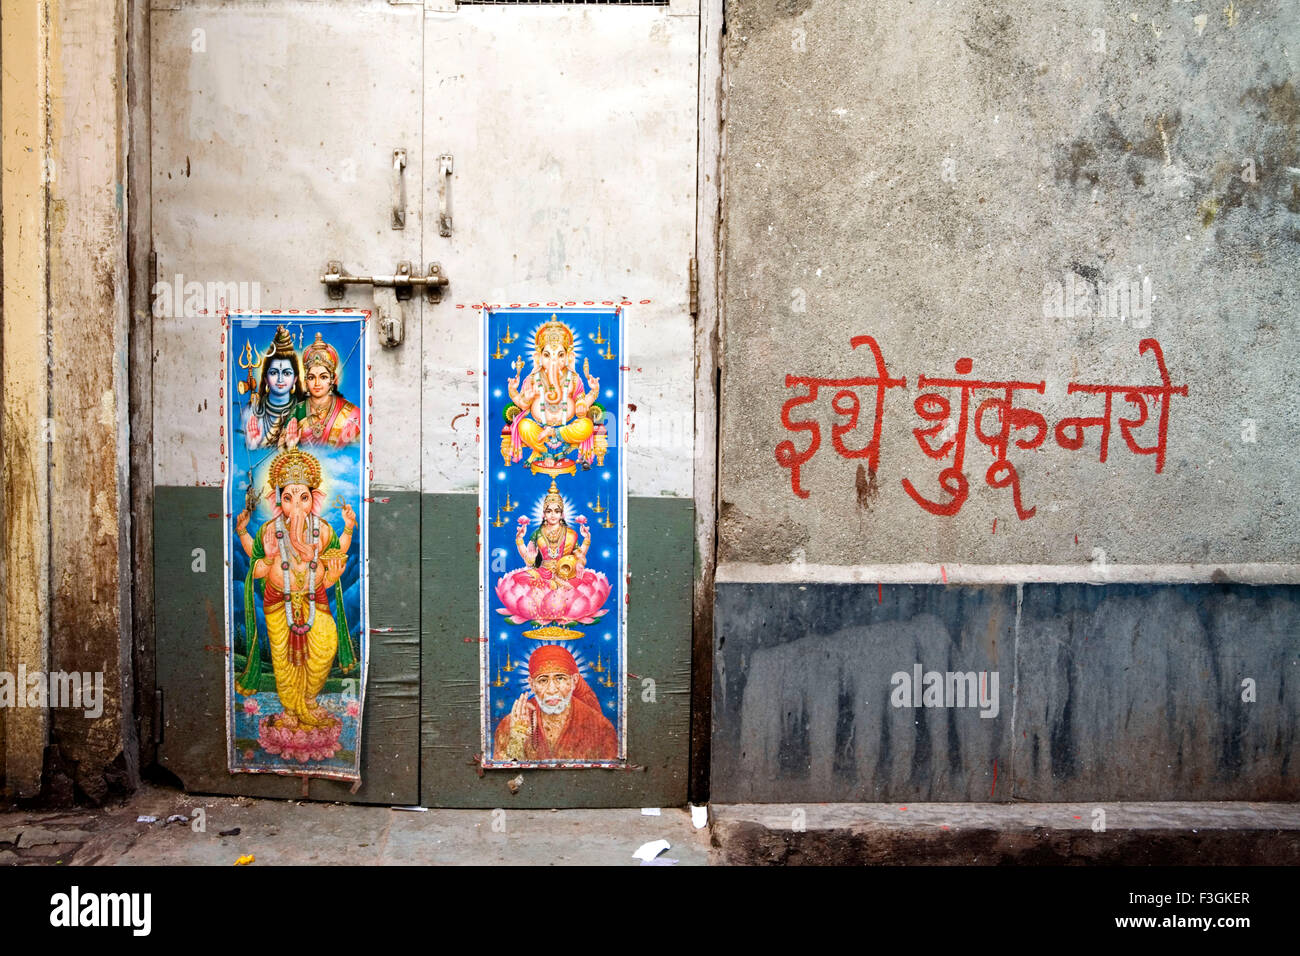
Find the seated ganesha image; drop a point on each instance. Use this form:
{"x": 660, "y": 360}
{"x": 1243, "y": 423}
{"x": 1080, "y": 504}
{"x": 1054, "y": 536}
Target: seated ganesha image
{"x": 552, "y": 413}
{"x": 556, "y": 587}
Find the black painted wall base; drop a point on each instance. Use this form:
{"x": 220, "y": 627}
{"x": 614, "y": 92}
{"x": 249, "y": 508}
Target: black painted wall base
{"x": 1115, "y": 692}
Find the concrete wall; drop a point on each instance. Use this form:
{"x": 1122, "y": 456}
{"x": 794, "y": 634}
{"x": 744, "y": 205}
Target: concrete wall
{"x": 1122, "y": 692}
{"x": 918, "y": 172}
{"x": 24, "y": 630}
{"x": 966, "y": 184}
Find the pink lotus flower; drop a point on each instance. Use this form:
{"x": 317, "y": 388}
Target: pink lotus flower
{"x": 581, "y": 519}
{"x": 318, "y": 743}
{"x": 554, "y": 604}
{"x": 353, "y": 709}
{"x": 250, "y": 706}
{"x": 526, "y": 598}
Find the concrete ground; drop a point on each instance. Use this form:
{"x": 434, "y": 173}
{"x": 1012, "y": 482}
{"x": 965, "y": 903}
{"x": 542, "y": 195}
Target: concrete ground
{"x": 292, "y": 832}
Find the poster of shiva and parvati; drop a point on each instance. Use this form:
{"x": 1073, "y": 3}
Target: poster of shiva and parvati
{"x": 295, "y": 485}
{"x": 553, "y": 502}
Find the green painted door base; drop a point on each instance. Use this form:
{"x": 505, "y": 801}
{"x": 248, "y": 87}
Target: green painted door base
{"x": 660, "y": 534}
{"x": 190, "y": 634}
{"x": 420, "y": 736}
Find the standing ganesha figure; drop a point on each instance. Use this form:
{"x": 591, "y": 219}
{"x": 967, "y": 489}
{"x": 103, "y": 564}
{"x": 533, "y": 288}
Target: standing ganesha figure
{"x": 326, "y": 417}
{"x": 553, "y": 414}
{"x": 295, "y": 559}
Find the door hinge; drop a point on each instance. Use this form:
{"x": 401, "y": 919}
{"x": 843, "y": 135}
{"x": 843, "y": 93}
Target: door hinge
{"x": 695, "y": 289}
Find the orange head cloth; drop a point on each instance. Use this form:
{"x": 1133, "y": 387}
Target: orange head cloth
{"x": 550, "y": 658}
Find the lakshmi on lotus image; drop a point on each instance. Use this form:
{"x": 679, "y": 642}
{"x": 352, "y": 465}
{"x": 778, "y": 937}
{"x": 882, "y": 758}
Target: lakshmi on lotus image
{"x": 555, "y": 587}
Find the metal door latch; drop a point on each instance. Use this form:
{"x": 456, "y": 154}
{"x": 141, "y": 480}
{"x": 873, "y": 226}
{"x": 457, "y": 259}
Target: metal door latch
{"x": 389, "y": 292}
{"x": 403, "y": 281}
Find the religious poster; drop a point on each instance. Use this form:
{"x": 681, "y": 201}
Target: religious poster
{"x": 553, "y": 528}
{"x": 295, "y": 441}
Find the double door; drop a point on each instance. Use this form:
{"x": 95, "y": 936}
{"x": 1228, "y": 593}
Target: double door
{"x": 529, "y": 154}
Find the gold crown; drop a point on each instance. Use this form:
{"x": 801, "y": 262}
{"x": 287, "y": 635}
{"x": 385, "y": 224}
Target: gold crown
{"x": 321, "y": 352}
{"x": 294, "y": 467}
{"x": 554, "y": 333}
{"x": 553, "y": 494}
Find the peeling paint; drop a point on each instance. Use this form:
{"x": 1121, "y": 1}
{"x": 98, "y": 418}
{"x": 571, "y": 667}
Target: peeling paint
{"x": 24, "y": 627}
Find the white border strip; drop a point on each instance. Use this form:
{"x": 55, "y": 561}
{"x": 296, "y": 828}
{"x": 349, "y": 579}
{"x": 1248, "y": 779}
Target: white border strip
{"x": 738, "y": 572}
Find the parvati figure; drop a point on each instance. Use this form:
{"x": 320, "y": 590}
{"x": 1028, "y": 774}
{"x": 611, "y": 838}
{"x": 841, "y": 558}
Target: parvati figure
{"x": 326, "y": 417}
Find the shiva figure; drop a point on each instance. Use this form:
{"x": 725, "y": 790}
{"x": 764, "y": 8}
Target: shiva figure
{"x": 553, "y": 414}
{"x": 279, "y": 389}
{"x": 326, "y": 417}
{"x": 295, "y": 559}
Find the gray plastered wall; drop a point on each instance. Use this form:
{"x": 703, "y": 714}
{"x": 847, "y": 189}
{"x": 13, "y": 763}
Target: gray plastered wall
{"x": 930, "y": 174}
{"x": 920, "y": 173}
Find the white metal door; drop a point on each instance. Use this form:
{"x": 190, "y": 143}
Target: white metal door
{"x": 274, "y": 127}
{"x": 572, "y": 132}
{"x": 571, "y": 137}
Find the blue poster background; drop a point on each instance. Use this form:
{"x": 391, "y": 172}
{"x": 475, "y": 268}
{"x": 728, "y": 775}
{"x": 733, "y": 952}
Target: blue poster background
{"x": 343, "y": 480}
{"x": 510, "y": 489}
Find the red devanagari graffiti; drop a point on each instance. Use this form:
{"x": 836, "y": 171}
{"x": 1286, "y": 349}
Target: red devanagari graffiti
{"x": 999, "y": 424}
{"x": 846, "y": 404}
{"x": 1001, "y": 474}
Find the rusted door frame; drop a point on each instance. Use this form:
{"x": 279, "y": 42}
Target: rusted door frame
{"x": 708, "y": 318}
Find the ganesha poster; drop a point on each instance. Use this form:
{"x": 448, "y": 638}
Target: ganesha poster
{"x": 553, "y": 565}
{"x": 295, "y": 444}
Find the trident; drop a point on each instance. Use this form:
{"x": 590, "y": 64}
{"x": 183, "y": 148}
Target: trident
{"x": 250, "y": 359}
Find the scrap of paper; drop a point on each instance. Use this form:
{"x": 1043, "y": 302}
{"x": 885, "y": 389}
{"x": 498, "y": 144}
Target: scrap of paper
{"x": 648, "y": 851}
